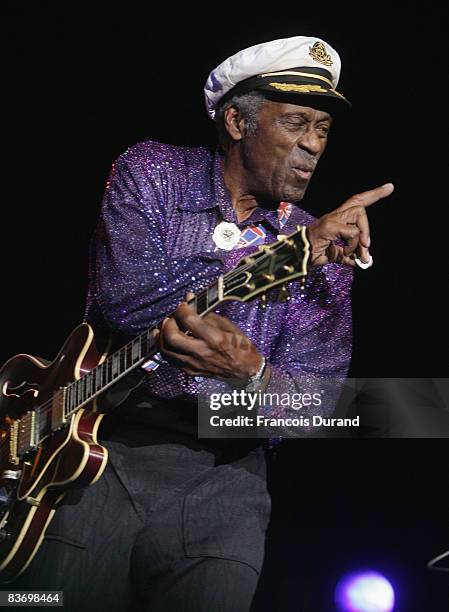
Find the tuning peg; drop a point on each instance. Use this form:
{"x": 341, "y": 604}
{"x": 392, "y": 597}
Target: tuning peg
{"x": 283, "y": 294}
{"x": 286, "y": 239}
{"x": 263, "y": 300}
{"x": 269, "y": 277}
{"x": 249, "y": 260}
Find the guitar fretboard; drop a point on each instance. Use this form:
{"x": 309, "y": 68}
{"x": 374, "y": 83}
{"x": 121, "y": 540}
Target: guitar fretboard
{"x": 128, "y": 357}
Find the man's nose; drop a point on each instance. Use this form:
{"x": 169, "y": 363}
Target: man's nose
{"x": 310, "y": 141}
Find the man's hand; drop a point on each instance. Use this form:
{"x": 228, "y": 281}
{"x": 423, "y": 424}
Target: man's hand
{"x": 214, "y": 347}
{"x": 349, "y": 223}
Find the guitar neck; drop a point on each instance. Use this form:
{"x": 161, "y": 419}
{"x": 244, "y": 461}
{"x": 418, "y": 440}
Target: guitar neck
{"x": 130, "y": 356}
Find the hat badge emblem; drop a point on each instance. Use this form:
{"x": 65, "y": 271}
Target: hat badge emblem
{"x": 319, "y": 54}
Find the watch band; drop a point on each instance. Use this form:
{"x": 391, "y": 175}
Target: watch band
{"x": 255, "y": 381}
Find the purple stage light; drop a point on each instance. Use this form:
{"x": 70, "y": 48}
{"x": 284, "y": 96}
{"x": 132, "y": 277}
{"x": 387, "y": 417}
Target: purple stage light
{"x": 365, "y": 591}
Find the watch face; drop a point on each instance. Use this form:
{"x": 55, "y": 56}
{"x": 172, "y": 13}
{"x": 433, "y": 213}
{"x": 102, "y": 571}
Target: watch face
{"x": 253, "y": 386}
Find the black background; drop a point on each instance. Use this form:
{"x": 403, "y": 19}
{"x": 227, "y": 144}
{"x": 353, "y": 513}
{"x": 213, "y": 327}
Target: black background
{"x": 82, "y": 88}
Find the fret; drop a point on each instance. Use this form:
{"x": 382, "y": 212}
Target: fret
{"x": 122, "y": 360}
{"x": 144, "y": 342}
{"x": 69, "y": 397}
{"x": 212, "y": 294}
{"x": 82, "y": 390}
{"x": 98, "y": 378}
{"x": 149, "y": 342}
{"x": 115, "y": 365}
{"x": 135, "y": 353}
{"x": 88, "y": 378}
{"x": 103, "y": 375}
{"x": 201, "y": 302}
{"x": 108, "y": 364}
{"x": 128, "y": 356}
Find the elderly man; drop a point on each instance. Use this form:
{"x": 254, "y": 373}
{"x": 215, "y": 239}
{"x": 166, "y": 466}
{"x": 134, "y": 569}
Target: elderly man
{"x": 177, "y": 522}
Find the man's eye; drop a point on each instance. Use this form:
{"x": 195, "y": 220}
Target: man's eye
{"x": 323, "y": 129}
{"x": 295, "y": 124}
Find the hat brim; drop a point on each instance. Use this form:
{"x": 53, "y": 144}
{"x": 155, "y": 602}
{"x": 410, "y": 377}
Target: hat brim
{"x": 295, "y": 84}
{"x": 325, "y": 100}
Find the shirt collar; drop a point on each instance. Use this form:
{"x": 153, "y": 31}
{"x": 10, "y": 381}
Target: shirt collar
{"x": 211, "y": 192}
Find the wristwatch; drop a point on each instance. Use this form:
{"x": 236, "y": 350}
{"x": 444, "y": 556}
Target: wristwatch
{"x": 255, "y": 381}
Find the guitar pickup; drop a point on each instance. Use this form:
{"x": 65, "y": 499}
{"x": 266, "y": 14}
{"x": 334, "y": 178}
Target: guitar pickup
{"x": 58, "y": 417}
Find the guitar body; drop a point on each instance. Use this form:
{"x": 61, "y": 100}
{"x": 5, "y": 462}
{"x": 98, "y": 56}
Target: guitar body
{"x": 71, "y": 457}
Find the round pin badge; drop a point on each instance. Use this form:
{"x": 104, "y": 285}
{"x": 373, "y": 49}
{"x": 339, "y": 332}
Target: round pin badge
{"x": 226, "y": 235}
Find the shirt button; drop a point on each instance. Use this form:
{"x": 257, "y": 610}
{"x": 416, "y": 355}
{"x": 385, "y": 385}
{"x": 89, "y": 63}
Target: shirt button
{"x": 199, "y": 378}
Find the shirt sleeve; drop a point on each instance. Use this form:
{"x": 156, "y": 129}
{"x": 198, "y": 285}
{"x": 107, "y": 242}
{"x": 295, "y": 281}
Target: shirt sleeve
{"x": 134, "y": 284}
{"x": 312, "y": 356}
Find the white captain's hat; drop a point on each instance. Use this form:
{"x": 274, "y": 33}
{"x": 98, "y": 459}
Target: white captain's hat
{"x": 300, "y": 65}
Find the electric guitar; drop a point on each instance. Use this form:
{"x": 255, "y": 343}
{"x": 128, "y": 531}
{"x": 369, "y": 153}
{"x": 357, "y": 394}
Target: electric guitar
{"x": 49, "y": 417}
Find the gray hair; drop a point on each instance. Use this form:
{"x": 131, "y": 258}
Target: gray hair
{"x": 249, "y": 105}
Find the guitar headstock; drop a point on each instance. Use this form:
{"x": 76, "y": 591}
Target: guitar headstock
{"x": 272, "y": 265}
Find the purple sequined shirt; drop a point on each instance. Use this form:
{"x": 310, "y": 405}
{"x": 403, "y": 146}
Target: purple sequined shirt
{"x": 154, "y": 243}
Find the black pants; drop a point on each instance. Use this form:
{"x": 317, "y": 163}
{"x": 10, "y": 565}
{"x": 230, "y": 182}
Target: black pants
{"x": 163, "y": 529}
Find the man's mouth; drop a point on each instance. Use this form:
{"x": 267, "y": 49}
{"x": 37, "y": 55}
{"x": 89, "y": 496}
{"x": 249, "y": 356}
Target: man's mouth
{"x": 305, "y": 172}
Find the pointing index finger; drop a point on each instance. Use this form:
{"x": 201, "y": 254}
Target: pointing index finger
{"x": 366, "y": 198}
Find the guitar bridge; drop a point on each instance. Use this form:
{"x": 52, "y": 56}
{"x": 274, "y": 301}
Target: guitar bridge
{"x": 26, "y": 439}
{"x": 13, "y": 435}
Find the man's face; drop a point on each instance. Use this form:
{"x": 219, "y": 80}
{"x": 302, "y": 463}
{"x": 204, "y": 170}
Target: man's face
{"x": 281, "y": 156}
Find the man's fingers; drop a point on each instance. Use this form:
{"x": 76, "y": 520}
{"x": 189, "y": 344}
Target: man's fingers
{"x": 366, "y": 198}
{"x": 336, "y": 254}
{"x": 173, "y": 340}
{"x": 363, "y": 254}
{"x": 189, "y": 321}
{"x": 351, "y": 234}
{"x": 189, "y": 296}
{"x": 356, "y": 215}
{"x": 342, "y": 231}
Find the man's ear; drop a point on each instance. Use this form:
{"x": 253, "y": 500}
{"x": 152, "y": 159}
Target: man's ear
{"x": 234, "y": 123}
